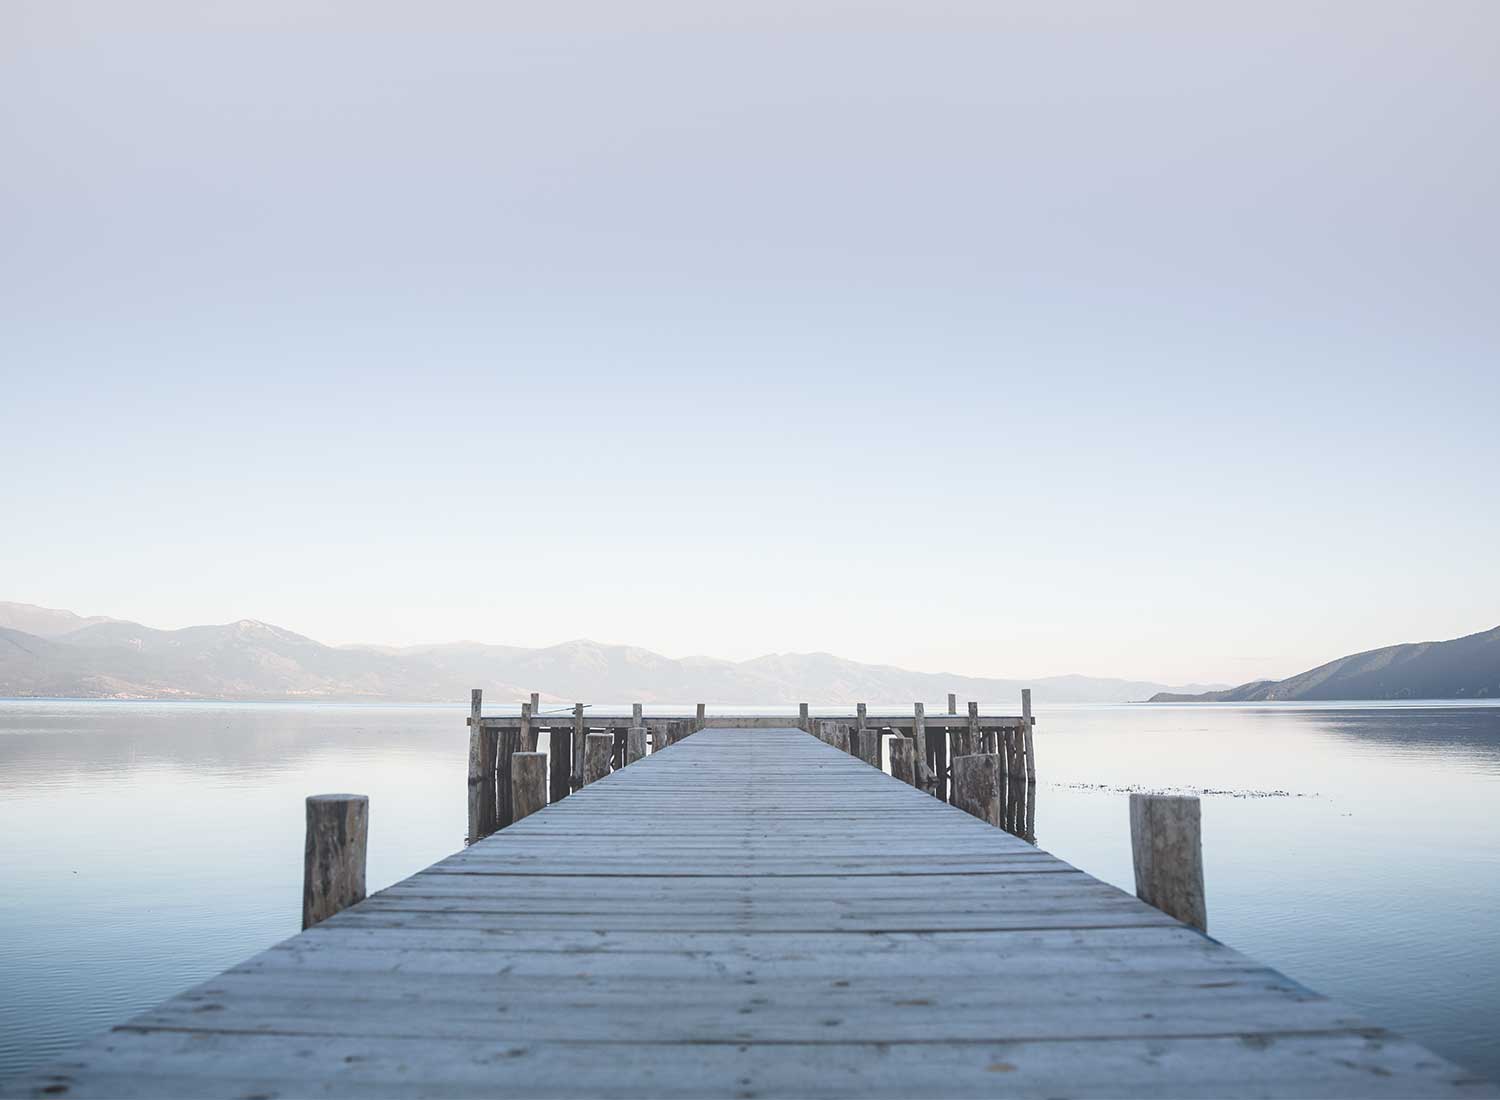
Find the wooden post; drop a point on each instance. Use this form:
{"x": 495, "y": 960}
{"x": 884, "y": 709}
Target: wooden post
{"x": 1026, "y": 748}
{"x": 536, "y": 703}
{"x": 869, "y": 746}
{"x": 976, "y": 785}
{"x": 921, "y": 773}
{"x": 635, "y": 714}
{"x": 596, "y": 756}
{"x": 560, "y": 742}
{"x": 527, "y": 741}
{"x": 528, "y": 783}
{"x": 505, "y": 748}
{"x": 702, "y": 711}
{"x": 333, "y": 857}
{"x": 803, "y": 721}
{"x": 860, "y": 712}
{"x": 835, "y": 733}
{"x": 971, "y": 735}
{"x": 635, "y": 744}
{"x": 937, "y": 751}
{"x": 1167, "y": 844}
{"x": 952, "y": 703}
{"x": 481, "y": 772}
{"x": 904, "y": 759}
{"x": 579, "y": 732}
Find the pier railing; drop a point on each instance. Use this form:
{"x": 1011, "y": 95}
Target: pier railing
{"x": 580, "y": 744}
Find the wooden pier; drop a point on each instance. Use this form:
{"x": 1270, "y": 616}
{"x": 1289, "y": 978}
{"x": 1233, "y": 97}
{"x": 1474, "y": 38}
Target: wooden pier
{"x": 751, "y": 912}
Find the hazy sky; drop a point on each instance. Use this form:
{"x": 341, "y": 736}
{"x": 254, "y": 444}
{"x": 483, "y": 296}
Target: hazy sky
{"x": 1154, "y": 340}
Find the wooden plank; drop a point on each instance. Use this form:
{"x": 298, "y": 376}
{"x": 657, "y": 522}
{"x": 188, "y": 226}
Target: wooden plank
{"x": 714, "y": 921}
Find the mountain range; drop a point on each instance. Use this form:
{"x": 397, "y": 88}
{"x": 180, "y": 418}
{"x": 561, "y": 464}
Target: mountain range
{"x": 58, "y": 654}
{"x": 1460, "y": 668}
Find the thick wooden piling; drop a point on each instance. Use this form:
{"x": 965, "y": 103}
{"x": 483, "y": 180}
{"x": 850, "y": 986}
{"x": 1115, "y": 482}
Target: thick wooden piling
{"x": 952, "y": 703}
{"x": 580, "y": 731}
{"x": 1028, "y": 722}
{"x": 803, "y": 720}
{"x": 598, "y": 749}
{"x": 921, "y": 773}
{"x": 904, "y": 760}
{"x": 482, "y": 754}
{"x": 527, "y": 740}
{"x": 560, "y": 744}
{"x": 701, "y": 720}
{"x": 976, "y": 784}
{"x": 835, "y": 734}
{"x": 333, "y": 855}
{"x": 937, "y": 756}
{"x": 528, "y": 783}
{"x": 506, "y": 741}
{"x": 1167, "y": 845}
{"x": 636, "y": 710}
{"x": 635, "y": 744}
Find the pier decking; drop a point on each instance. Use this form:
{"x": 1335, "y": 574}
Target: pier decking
{"x": 750, "y": 912}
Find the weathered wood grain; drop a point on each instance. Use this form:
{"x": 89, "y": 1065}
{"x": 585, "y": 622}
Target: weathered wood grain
{"x": 1166, "y": 844}
{"x": 598, "y": 749}
{"x": 976, "y": 782}
{"x": 903, "y": 760}
{"x": 635, "y": 744}
{"x": 528, "y": 778}
{"x": 333, "y": 855}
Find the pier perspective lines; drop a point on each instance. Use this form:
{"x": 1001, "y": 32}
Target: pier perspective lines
{"x": 747, "y": 913}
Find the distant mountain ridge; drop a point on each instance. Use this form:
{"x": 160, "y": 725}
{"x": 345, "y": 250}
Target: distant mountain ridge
{"x": 1460, "y": 668}
{"x": 69, "y": 656}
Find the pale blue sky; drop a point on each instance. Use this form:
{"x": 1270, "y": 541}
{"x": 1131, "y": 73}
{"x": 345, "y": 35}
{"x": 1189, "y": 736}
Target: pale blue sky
{"x": 1149, "y": 340}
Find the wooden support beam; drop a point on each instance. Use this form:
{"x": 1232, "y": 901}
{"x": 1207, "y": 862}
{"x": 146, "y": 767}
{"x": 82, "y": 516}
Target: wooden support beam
{"x": 1028, "y": 723}
{"x": 976, "y": 784}
{"x": 482, "y": 752}
{"x": 333, "y": 855}
{"x": 635, "y": 744}
{"x": 937, "y": 755}
{"x": 527, "y": 740}
{"x": 505, "y": 748}
{"x": 596, "y": 754}
{"x": 528, "y": 783}
{"x": 921, "y": 773}
{"x": 1166, "y": 842}
{"x": 580, "y": 731}
{"x": 835, "y": 734}
{"x": 560, "y": 742}
{"x": 972, "y": 740}
{"x": 904, "y": 760}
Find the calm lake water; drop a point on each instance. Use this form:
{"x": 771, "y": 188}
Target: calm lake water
{"x": 151, "y": 845}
